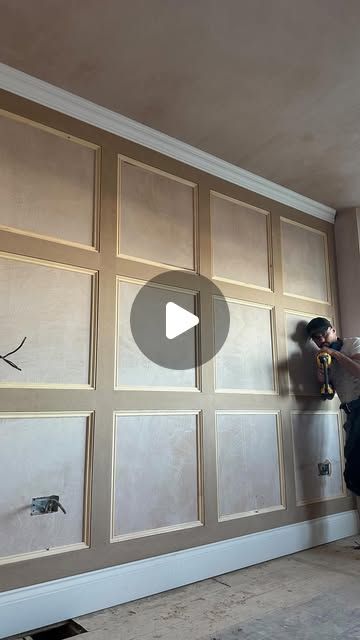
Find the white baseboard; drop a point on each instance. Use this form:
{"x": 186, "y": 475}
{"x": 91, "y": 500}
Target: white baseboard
{"x": 44, "y": 604}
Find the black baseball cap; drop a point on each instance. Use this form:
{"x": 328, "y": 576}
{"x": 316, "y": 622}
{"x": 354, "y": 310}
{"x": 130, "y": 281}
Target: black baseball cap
{"x": 317, "y": 325}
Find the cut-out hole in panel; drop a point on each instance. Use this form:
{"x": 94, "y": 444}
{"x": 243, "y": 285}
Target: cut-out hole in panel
{"x": 248, "y": 463}
{"x": 48, "y": 183}
{"x": 305, "y": 262}
{"x": 156, "y": 473}
{"x": 133, "y": 368}
{"x": 58, "y": 632}
{"x": 239, "y": 242}
{"x": 245, "y": 362}
{"x": 157, "y": 216}
{"x": 316, "y": 440}
{"x": 52, "y": 307}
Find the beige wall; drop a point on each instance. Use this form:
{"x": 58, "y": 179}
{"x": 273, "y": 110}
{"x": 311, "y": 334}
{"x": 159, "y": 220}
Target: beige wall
{"x": 150, "y": 463}
{"x": 347, "y": 238}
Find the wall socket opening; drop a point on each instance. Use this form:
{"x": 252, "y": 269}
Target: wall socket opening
{"x": 324, "y": 468}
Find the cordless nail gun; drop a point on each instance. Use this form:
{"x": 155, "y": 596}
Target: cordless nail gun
{"x": 324, "y": 361}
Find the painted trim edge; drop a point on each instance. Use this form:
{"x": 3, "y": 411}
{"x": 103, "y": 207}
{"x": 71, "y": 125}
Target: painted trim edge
{"x": 33, "y": 607}
{"x": 48, "y": 95}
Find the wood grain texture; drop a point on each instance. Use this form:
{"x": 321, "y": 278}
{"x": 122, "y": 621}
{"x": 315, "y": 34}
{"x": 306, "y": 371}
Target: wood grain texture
{"x": 245, "y": 362}
{"x": 51, "y": 306}
{"x": 133, "y": 368}
{"x": 48, "y": 183}
{"x": 51, "y": 453}
{"x": 239, "y": 242}
{"x": 316, "y": 439}
{"x": 157, "y": 216}
{"x": 156, "y": 472}
{"x": 305, "y": 262}
{"x": 248, "y": 463}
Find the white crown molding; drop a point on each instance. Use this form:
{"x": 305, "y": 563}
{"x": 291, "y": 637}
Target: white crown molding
{"x": 27, "y": 86}
{"x": 37, "y": 606}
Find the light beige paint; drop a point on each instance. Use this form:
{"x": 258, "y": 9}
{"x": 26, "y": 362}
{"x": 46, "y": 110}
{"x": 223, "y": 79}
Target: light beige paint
{"x": 347, "y": 237}
{"x": 269, "y": 86}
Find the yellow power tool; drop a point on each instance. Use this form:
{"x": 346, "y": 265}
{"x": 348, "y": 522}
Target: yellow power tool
{"x": 324, "y": 361}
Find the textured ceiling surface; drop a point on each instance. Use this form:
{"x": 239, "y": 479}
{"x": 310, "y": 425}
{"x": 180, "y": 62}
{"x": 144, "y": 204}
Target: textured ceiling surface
{"x": 270, "y": 86}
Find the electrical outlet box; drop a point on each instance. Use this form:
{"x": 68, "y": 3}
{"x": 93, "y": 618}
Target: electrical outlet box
{"x": 324, "y": 468}
{"x": 40, "y": 506}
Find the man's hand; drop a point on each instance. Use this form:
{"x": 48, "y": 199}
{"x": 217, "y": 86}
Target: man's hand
{"x": 350, "y": 364}
{"x": 320, "y": 370}
{"x": 332, "y": 352}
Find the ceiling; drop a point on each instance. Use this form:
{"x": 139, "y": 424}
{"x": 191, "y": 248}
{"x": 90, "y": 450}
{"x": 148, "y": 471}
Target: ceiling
{"x": 272, "y": 86}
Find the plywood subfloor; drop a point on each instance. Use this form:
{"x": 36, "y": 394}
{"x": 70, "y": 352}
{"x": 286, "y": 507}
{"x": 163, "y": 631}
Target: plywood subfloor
{"x": 314, "y": 594}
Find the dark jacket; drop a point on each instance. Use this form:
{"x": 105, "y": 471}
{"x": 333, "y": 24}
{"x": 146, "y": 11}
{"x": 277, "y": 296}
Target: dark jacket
{"x": 352, "y": 452}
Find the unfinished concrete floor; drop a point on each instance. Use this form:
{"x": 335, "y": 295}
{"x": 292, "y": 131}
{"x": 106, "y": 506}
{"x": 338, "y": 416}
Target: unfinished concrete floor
{"x": 314, "y": 594}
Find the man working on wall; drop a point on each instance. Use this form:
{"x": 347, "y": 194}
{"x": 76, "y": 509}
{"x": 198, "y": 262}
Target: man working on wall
{"x": 345, "y": 377}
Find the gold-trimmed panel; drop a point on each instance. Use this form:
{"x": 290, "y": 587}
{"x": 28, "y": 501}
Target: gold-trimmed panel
{"x": 249, "y": 353}
{"x": 157, "y": 218}
{"x": 148, "y": 374}
{"x": 305, "y": 262}
{"x": 153, "y": 496}
{"x": 241, "y": 251}
{"x": 60, "y": 346}
{"x": 250, "y": 465}
{"x": 315, "y": 440}
{"x": 42, "y": 453}
{"x": 49, "y": 183}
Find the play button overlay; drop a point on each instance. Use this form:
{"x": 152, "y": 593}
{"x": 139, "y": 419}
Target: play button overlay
{"x": 168, "y": 326}
{"x": 178, "y": 320}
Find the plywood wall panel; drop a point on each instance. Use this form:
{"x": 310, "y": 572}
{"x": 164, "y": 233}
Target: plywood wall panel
{"x": 52, "y": 307}
{"x": 133, "y": 368}
{"x": 305, "y": 262}
{"x": 316, "y": 439}
{"x": 245, "y": 362}
{"x": 301, "y": 353}
{"x": 48, "y": 183}
{"x": 248, "y": 461}
{"x": 239, "y": 242}
{"x": 156, "y": 474}
{"x": 41, "y": 456}
{"x": 157, "y": 216}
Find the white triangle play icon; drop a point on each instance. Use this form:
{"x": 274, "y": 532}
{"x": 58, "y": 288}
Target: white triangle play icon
{"x": 178, "y": 320}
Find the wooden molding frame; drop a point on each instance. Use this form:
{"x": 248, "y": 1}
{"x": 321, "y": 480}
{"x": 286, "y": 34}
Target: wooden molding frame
{"x": 280, "y": 449}
{"x": 170, "y": 176}
{"x": 96, "y": 195}
{"x": 300, "y": 503}
{"x": 200, "y": 475}
{"x": 88, "y": 465}
{"x": 329, "y": 300}
{"x": 270, "y": 263}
